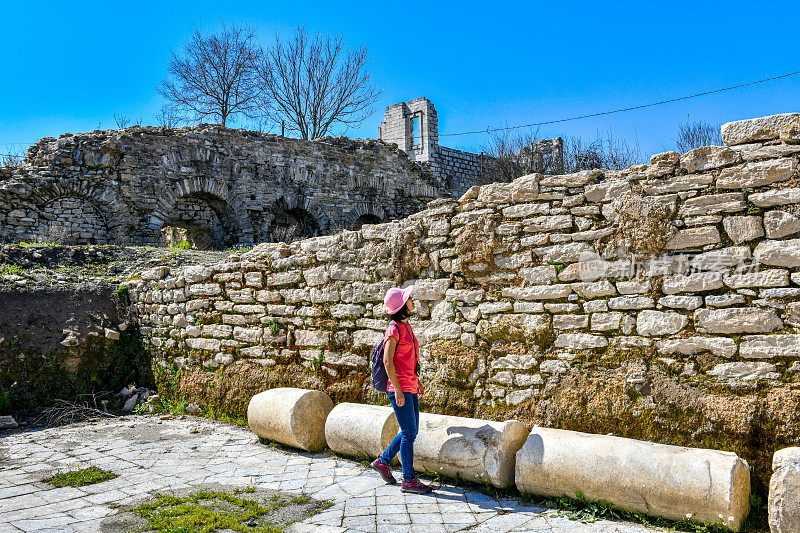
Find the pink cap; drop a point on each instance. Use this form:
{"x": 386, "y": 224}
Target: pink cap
{"x": 396, "y": 298}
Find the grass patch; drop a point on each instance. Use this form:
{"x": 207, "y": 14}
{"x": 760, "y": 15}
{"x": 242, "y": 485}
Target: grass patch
{"x": 211, "y": 510}
{"x": 79, "y": 478}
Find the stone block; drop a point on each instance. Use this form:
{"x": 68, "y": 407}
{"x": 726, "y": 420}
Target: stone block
{"x": 597, "y": 289}
{"x": 741, "y": 371}
{"x": 743, "y": 228}
{"x": 710, "y": 204}
{"x": 630, "y": 302}
{"x": 708, "y": 158}
{"x": 577, "y": 179}
{"x": 699, "y": 282}
{"x": 690, "y": 303}
{"x": 607, "y": 190}
{"x": 775, "y": 197}
{"x": 757, "y": 129}
{"x": 656, "y": 323}
{"x": 645, "y": 477}
{"x": 719, "y": 346}
{"x": 770, "y": 346}
{"x": 570, "y": 321}
{"x": 778, "y": 253}
{"x": 737, "y": 320}
{"x": 205, "y": 289}
{"x": 430, "y": 289}
{"x": 606, "y": 321}
{"x": 540, "y": 292}
{"x": 356, "y": 429}
{"x": 780, "y": 224}
{"x": 295, "y": 417}
{"x": 687, "y": 239}
{"x": 756, "y": 174}
{"x": 480, "y": 450}
{"x": 774, "y": 277}
{"x": 783, "y": 507}
{"x": 580, "y": 341}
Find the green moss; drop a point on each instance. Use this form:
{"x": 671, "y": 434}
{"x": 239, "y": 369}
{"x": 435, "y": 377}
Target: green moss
{"x": 205, "y": 511}
{"x": 79, "y": 478}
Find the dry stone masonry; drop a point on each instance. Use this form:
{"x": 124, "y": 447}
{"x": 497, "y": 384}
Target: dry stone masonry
{"x": 209, "y": 185}
{"x": 660, "y": 302}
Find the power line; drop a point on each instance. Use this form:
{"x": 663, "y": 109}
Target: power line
{"x": 508, "y": 128}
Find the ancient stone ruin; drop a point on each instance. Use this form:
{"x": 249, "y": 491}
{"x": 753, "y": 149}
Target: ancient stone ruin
{"x": 414, "y": 127}
{"x": 660, "y": 302}
{"x": 208, "y": 185}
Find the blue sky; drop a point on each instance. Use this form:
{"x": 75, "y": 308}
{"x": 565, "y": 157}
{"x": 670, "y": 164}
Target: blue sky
{"x": 69, "y": 66}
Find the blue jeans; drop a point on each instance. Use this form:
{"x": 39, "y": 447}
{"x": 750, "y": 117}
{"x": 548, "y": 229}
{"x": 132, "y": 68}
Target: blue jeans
{"x": 408, "y": 419}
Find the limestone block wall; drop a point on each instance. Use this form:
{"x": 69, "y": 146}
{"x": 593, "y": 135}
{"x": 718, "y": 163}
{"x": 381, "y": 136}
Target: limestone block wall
{"x": 661, "y": 302}
{"x": 131, "y": 186}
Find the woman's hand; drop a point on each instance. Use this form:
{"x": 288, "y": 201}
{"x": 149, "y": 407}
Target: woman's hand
{"x": 399, "y": 399}
{"x": 420, "y": 390}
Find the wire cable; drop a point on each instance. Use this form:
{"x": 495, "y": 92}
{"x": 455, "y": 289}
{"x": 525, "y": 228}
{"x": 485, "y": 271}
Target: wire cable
{"x": 662, "y": 102}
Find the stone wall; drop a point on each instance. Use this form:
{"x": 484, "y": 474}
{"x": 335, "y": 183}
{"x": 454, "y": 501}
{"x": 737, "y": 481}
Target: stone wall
{"x": 661, "y": 302}
{"x": 212, "y": 185}
{"x": 414, "y": 127}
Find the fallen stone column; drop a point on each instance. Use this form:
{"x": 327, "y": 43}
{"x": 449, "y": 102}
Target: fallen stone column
{"x": 784, "y": 492}
{"x": 295, "y": 417}
{"x": 656, "y": 479}
{"x": 359, "y": 429}
{"x": 474, "y": 450}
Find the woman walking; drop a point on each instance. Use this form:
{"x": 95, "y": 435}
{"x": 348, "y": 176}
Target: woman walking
{"x": 401, "y": 359}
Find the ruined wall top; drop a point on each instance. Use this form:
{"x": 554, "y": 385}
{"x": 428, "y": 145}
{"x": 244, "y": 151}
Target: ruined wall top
{"x": 127, "y": 186}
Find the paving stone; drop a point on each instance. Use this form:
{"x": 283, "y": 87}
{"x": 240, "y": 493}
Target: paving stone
{"x": 232, "y": 456}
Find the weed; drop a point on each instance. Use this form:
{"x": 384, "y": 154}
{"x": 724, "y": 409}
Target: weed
{"x": 6, "y": 269}
{"x": 274, "y": 326}
{"x": 210, "y": 412}
{"x": 6, "y": 399}
{"x": 122, "y": 293}
{"x": 183, "y": 245}
{"x": 559, "y": 266}
{"x": 79, "y": 478}
{"x": 206, "y": 511}
{"x": 585, "y": 511}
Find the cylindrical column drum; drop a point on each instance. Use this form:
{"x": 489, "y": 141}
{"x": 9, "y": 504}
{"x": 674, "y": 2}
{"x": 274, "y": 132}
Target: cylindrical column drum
{"x": 657, "y": 479}
{"x": 295, "y": 417}
{"x": 359, "y": 429}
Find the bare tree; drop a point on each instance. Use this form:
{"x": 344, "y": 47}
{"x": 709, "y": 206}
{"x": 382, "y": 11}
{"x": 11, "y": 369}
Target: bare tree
{"x": 121, "y": 120}
{"x": 518, "y": 154}
{"x": 13, "y": 156}
{"x": 215, "y": 76}
{"x": 311, "y": 83}
{"x": 168, "y": 116}
{"x": 693, "y": 135}
{"x": 606, "y": 151}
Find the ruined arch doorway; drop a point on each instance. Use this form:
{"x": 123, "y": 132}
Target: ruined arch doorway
{"x": 367, "y": 218}
{"x": 200, "y": 220}
{"x": 291, "y": 224}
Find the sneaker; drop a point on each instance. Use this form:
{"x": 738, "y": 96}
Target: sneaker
{"x": 384, "y": 470}
{"x": 415, "y": 486}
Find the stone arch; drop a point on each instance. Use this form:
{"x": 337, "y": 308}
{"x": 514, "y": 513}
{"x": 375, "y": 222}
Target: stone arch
{"x": 365, "y": 214}
{"x": 203, "y": 196}
{"x": 290, "y": 221}
{"x": 79, "y": 213}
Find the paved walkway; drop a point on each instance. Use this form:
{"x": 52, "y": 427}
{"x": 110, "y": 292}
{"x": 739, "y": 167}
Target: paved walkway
{"x": 151, "y": 455}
